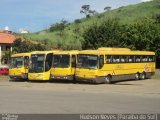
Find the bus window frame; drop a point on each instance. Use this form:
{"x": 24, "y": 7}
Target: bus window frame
{"x": 101, "y": 64}
{"x": 26, "y": 61}
{"x": 51, "y": 59}
{"x": 73, "y": 63}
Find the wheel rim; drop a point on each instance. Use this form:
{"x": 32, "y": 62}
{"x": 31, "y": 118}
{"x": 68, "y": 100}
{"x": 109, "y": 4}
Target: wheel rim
{"x": 143, "y": 76}
{"x": 108, "y": 79}
{"x": 137, "y": 76}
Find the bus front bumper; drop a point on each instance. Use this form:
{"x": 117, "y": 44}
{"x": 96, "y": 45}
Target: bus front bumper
{"x": 39, "y": 76}
{"x": 23, "y": 76}
{"x": 55, "y": 77}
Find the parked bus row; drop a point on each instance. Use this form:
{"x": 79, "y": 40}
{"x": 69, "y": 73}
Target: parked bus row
{"x": 103, "y": 65}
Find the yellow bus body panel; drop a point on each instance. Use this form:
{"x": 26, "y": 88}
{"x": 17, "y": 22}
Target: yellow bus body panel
{"x": 17, "y": 71}
{"x": 61, "y": 71}
{"x": 39, "y": 76}
{"x": 86, "y": 73}
{"x": 122, "y": 69}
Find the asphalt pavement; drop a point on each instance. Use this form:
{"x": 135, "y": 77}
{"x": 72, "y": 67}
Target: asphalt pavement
{"x": 45, "y": 101}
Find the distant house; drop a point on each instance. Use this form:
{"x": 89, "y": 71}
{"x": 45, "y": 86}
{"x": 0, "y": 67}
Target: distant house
{"x": 6, "y": 41}
{"x": 24, "y": 31}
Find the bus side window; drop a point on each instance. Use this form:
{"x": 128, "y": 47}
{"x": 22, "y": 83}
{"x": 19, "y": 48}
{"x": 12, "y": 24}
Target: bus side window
{"x": 101, "y": 61}
{"x": 151, "y": 58}
{"x": 154, "y": 59}
{"x": 48, "y": 62}
{"x": 144, "y": 58}
{"x": 131, "y": 59}
{"x": 26, "y": 61}
{"x": 73, "y": 61}
{"x": 116, "y": 59}
{"x": 138, "y": 58}
{"x": 108, "y": 59}
{"x": 124, "y": 59}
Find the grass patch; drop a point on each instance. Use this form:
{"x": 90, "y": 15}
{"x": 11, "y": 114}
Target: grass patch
{"x": 4, "y": 77}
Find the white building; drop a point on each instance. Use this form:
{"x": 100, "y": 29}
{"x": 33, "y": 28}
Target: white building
{"x": 24, "y": 31}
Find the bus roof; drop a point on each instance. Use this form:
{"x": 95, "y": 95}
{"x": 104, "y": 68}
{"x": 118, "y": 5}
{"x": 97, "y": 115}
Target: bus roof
{"x": 67, "y": 52}
{"x": 21, "y": 54}
{"x": 114, "y": 49}
{"x": 43, "y": 52}
{"x": 97, "y": 52}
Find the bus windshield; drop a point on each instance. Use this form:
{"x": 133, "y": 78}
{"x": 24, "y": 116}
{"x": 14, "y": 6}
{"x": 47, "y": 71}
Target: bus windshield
{"x": 16, "y": 62}
{"x": 37, "y": 63}
{"x": 61, "y": 61}
{"x": 87, "y": 61}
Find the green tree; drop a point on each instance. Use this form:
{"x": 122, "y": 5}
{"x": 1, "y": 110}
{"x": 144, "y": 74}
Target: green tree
{"x": 106, "y": 34}
{"x": 85, "y": 9}
{"x": 20, "y": 46}
{"x": 59, "y": 26}
{"x": 107, "y": 8}
{"x": 142, "y": 35}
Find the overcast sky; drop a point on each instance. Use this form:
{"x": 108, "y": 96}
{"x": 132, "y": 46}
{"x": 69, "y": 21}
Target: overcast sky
{"x": 36, "y": 15}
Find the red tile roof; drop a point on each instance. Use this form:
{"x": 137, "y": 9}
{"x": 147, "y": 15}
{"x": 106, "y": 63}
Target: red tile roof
{"x": 7, "y": 38}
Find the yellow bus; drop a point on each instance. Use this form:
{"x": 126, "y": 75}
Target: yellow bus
{"x": 40, "y": 65}
{"x": 64, "y": 65}
{"x": 19, "y": 66}
{"x": 112, "y": 64}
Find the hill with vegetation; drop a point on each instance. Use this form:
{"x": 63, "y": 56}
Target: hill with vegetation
{"x": 134, "y": 26}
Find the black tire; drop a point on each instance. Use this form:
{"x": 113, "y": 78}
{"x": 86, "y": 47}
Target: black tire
{"x": 143, "y": 76}
{"x": 137, "y": 76}
{"x": 108, "y": 79}
{"x": 74, "y": 80}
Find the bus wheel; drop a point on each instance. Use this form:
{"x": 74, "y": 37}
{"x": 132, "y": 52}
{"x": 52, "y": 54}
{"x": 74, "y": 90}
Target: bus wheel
{"x": 108, "y": 79}
{"x": 137, "y": 76}
{"x": 74, "y": 80}
{"x": 143, "y": 75}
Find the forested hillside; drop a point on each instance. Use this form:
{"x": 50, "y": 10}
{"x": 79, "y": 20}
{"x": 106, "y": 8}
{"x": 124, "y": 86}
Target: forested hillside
{"x": 134, "y": 26}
